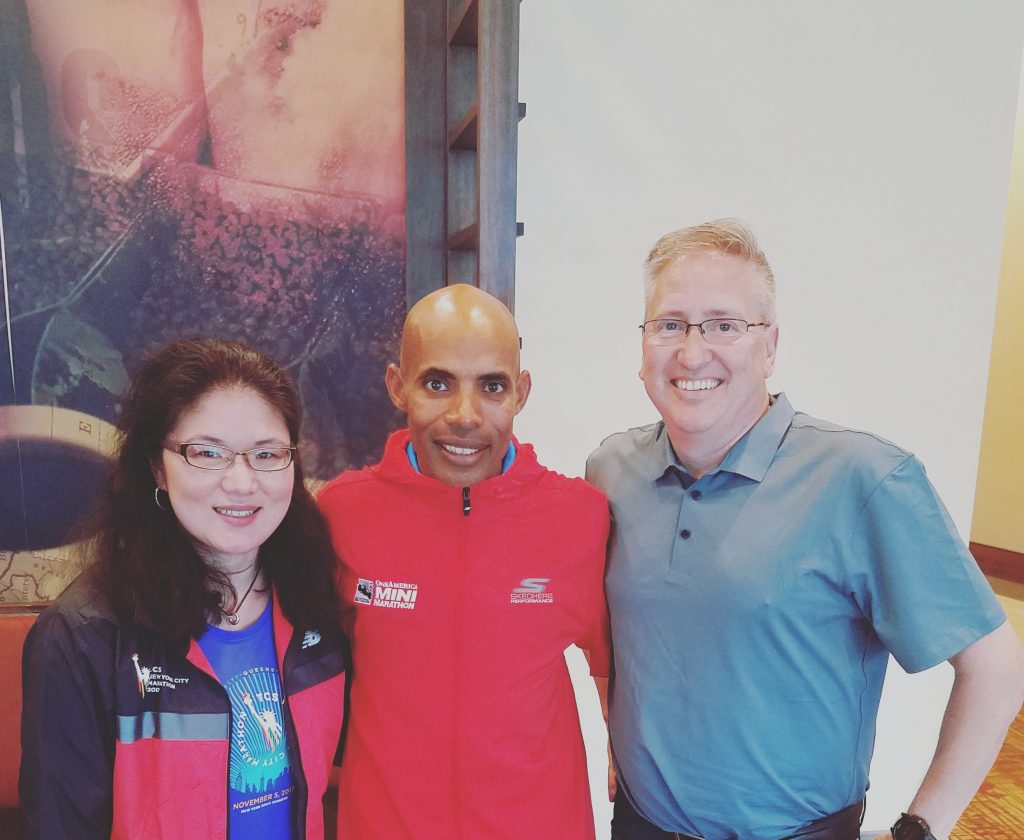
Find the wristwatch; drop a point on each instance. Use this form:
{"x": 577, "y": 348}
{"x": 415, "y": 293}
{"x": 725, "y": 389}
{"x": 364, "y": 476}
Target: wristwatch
{"x": 911, "y": 827}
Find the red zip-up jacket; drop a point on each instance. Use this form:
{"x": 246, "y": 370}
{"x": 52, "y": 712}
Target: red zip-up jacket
{"x": 462, "y": 601}
{"x": 104, "y": 756}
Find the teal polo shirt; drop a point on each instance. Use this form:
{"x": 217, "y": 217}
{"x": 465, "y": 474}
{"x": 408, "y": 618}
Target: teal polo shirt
{"x": 753, "y": 611}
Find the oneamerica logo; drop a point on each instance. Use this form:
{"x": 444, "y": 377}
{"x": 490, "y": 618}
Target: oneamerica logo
{"x": 386, "y": 593}
{"x": 532, "y": 591}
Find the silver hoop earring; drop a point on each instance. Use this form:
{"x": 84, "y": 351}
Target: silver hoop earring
{"x": 156, "y": 498}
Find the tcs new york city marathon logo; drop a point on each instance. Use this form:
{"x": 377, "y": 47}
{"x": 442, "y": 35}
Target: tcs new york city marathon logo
{"x": 153, "y": 678}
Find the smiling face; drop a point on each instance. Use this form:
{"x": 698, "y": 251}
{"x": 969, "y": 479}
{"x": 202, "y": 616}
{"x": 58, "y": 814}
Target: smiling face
{"x": 460, "y": 384}
{"x": 228, "y": 514}
{"x": 709, "y": 396}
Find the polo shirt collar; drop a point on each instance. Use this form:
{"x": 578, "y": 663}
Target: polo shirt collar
{"x": 750, "y": 456}
{"x": 753, "y": 453}
{"x": 660, "y": 457}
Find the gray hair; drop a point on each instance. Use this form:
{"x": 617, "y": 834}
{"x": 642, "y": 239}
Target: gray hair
{"x": 723, "y": 236}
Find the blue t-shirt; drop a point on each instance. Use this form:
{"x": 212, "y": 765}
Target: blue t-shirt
{"x": 261, "y": 788}
{"x": 754, "y": 610}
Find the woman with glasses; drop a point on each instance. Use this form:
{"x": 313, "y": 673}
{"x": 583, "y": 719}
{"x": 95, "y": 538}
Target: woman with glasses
{"x": 190, "y": 683}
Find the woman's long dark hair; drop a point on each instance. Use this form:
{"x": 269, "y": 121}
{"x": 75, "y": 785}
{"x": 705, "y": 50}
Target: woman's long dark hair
{"x": 152, "y": 572}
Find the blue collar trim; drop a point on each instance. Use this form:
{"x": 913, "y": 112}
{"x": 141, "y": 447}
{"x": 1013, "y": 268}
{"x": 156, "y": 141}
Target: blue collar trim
{"x": 506, "y": 462}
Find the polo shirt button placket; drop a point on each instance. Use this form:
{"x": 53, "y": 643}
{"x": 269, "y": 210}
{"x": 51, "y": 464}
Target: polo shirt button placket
{"x": 695, "y": 495}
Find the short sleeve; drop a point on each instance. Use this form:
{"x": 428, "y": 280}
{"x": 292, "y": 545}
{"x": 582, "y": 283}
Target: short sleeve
{"x": 597, "y": 640}
{"x": 912, "y": 575}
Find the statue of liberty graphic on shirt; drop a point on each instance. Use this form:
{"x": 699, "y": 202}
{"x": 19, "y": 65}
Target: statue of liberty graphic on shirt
{"x": 267, "y": 721}
{"x": 259, "y": 754}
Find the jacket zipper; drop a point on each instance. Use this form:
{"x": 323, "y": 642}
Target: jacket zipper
{"x": 458, "y": 653}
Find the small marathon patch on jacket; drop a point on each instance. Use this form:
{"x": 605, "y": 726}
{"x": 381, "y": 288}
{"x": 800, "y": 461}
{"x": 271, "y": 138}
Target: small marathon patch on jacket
{"x": 386, "y": 593}
{"x": 532, "y": 591}
{"x": 152, "y": 678}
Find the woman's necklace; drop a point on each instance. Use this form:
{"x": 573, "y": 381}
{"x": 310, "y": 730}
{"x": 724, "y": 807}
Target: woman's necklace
{"x": 232, "y": 617}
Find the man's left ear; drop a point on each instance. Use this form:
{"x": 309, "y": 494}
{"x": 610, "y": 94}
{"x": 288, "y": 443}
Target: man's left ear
{"x": 396, "y": 386}
{"x": 771, "y": 342}
{"x": 523, "y": 385}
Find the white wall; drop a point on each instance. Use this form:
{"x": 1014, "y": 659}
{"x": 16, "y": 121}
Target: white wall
{"x": 868, "y": 143}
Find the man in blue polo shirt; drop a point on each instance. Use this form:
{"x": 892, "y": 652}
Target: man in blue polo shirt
{"x": 763, "y": 566}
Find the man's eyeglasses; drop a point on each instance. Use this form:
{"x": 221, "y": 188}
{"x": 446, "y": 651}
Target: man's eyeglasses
{"x": 207, "y": 456}
{"x": 713, "y": 331}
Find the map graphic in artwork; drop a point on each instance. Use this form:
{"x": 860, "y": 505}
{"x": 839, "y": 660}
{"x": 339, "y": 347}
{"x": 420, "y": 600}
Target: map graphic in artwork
{"x": 31, "y": 576}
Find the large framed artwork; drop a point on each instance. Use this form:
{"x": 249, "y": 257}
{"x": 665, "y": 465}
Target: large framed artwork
{"x": 174, "y": 168}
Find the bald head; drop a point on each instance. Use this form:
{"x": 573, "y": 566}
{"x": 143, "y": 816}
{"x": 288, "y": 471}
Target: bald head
{"x": 455, "y": 310}
{"x": 459, "y": 381}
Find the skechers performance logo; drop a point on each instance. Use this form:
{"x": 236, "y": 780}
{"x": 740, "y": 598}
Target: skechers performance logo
{"x": 386, "y": 593}
{"x": 532, "y": 591}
